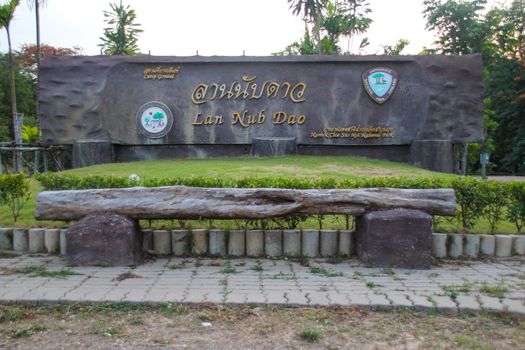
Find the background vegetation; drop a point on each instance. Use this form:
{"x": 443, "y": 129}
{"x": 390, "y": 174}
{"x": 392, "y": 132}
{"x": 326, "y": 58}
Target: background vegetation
{"x": 461, "y": 26}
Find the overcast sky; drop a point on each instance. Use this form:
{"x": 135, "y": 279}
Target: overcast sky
{"x": 213, "y": 27}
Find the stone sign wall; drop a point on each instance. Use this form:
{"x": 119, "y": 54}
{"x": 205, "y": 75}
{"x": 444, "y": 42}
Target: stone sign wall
{"x": 404, "y": 108}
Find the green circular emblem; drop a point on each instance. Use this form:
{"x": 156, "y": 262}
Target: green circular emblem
{"x": 154, "y": 119}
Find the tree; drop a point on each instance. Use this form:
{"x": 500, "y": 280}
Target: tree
{"x": 396, "y": 49}
{"x": 499, "y": 36}
{"x": 331, "y": 20}
{"x": 458, "y": 24}
{"x": 28, "y": 60}
{"x": 38, "y": 55}
{"x": 25, "y": 97}
{"x": 303, "y": 47}
{"x": 344, "y": 18}
{"x": 311, "y": 10}
{"x": 7, "y": 12}
{"x": 37, "y": 4}
{"x": 357, "y": 12}
{"x": 506, "y": 88}
{"x": 461, "y": 30}
{"x": 120, "y": 38}
{"x": 504, "y": 58}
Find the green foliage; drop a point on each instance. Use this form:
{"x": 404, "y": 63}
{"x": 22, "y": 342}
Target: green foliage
{"x": 516, "y": 204}
{"x": 31, "y": 134}
{"x": 26, "y": 331}
{"x": 471, "y": 200}
{"x": 311, "y": 334}
{"x": 506, "y": 86}
{"x": 25, "y": 94}
{"x": 289, "y": 222}
{"x": 11, "y": 314}
{"x": 41, "y": 271}
{"x": 321, "y": 271}
{"x": 7, "y": 11}
{"x": 325, "y": 23}
{"x": 453, "y": 290}
{"x": 396, "y": 49}
{"x": 14, "y": 192}
{"x": 476, "y": 199}
{"x": 495, "y": 200}
{"x": 499, "y": 35}
{"x": 120, "y": 38}
{"x": 458, "y": 24}
{"x": 496, "y": 291}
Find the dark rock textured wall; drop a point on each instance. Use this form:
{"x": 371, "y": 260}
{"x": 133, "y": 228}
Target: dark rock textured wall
{"x": 96, "y": 99}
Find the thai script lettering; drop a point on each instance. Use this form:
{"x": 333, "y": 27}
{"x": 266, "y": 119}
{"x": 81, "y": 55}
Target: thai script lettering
{"x": 248, "y": 89}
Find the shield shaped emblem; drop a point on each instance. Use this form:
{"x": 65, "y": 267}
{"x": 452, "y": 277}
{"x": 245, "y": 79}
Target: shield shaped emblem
{"x": 380, "y": 83}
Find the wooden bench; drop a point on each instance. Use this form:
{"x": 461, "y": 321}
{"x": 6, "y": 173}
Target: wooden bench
{"x": 393, "y": 226}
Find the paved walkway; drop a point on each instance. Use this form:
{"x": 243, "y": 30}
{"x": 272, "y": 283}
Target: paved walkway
{"x": 453, "y": 287}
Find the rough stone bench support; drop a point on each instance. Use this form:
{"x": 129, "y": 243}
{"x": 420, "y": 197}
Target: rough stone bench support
{"x": 98, "y": 239}
{"x": 105, "y": 240}
{"x": 395, "y": 238}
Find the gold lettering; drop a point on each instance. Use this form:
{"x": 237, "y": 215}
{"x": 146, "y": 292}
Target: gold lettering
{"x": 262, "y": 117}
{"x": 301, "y": 119}
{"x": 298, "y": 96}
{"x": 248, "y": 88}
{"x": 239, "y": 119}
{"x": 195, "y": 121}
{"x": 354, "y": 132}
{"x": 216, "y": 86}
{"x": 208, "y": 120}
{"x": 160, "y": 73}
{"x": 198, "y": 96}
{"x": 279, "y": 118}
{"x": 272, "y": 89}
{"x": 288, "y": 85}
{"x": 228, "y": 94}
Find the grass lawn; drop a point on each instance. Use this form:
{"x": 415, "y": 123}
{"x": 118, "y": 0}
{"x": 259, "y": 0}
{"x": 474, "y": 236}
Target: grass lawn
{"x": 240, "y": 167}
{"x": 293, "y": 166}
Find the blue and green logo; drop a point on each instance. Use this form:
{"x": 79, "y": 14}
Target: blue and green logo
{"x": 380, "y": 83}
{"x": 154, "y": 119}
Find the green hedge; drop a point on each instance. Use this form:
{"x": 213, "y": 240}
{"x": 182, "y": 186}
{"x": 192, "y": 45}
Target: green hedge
{"x": 476, "y": 199}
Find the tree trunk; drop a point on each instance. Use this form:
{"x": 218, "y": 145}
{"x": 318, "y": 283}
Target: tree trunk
{"x": 38, "y": 58}
{"x": 180, "y": 202}
{"x": 16, "y": 130}
{"x": 318, "y": 32}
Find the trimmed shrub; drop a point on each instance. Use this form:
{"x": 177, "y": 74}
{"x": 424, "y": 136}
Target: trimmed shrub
{"x": 516, "y": 204}
{"x": 14, "y": 192}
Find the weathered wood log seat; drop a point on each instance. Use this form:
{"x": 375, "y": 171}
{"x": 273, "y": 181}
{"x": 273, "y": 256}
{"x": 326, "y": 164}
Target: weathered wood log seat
{"x": 393, "y": 226}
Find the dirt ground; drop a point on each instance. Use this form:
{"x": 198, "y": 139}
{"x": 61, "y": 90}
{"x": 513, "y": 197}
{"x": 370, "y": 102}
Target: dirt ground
{"x": 125, "y": 326}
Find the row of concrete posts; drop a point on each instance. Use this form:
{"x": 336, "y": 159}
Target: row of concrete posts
{"x": 272, "y": 243}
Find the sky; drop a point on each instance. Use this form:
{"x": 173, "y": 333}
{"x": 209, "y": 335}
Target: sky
{"x": 210, "y": 27}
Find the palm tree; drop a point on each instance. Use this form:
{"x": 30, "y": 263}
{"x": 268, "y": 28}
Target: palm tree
{"x": 6, "y": 15}
{"x": 120, "y": 38}
{"x": 311, "y": 9}
{"x": 7, "y": 12}
{"x": 37, "y": 4}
